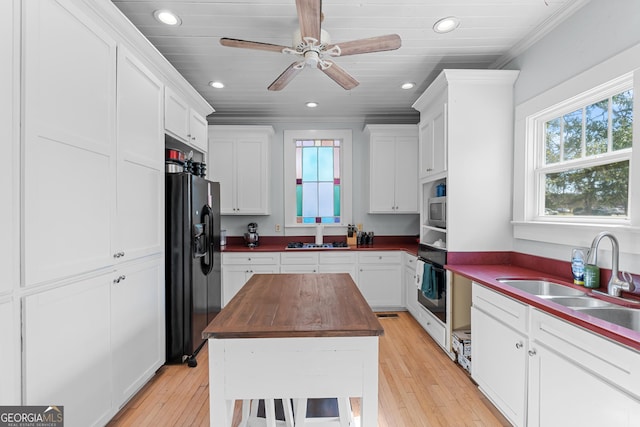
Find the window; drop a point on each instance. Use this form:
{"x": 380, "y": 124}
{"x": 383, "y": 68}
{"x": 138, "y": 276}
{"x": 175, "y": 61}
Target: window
{"x": 584, "y": 156}
{"x": 317, "y": 178}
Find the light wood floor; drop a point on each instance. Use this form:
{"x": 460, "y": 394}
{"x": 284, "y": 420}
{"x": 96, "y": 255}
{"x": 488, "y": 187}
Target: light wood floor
{"x": 418, "y": 386}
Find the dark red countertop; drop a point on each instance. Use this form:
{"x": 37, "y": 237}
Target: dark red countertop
{"x": 279, "y": 244}
{"x": 487, "y": 274}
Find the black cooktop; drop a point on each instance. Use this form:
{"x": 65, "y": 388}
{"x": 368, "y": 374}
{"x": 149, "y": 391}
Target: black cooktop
{"x": 331, "y": 245}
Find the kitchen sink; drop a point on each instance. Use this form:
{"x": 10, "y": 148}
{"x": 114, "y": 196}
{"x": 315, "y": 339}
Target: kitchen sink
{"x": 542, "y": 287}
{"x": 577, "y": 302}
{"x": 626, "y": 317}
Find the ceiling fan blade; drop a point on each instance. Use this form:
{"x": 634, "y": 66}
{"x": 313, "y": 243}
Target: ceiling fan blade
{"x": 339, "y": 75}
{"x": 309, "y": 16}
{"x": 373, "y": 44}
{"x": 251, "y": 45}
{"x": 286, "y": 77}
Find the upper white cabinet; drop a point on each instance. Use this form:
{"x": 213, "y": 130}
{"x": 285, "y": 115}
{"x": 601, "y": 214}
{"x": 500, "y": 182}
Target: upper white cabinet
{"x": 239, "y": 158}
{"x": 466, "y": 141}
{"x": 69, "y": 141}
{"x": 393, "y": 168}
{"x": 140, "y": 166}
{"x": 183, "y": 122}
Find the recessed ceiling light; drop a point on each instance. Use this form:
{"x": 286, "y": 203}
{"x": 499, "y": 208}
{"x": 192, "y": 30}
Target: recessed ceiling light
{"x": 167, "y": 17}
{"x": 217, "y": 85}
{"x": 446, "y": 25}
{"x": 311, "y": 104}
{"x": 408, "y": 85}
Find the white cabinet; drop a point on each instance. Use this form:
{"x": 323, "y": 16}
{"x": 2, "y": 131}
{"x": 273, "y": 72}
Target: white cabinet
{"x": 466, "y": 139}
{"x": 238, "y": 267}
{"x": 299, "y": 262}
{"x": 499, "y": 351}
{"x": 137, "y": 326}
{"x": 338, "y": 262}
{"x": 380, "y": 278}
{"x": 570, "y": 369}
{"x": 140, "y": 165}
{"x": 393, "y": 168}
{"x": 183, "y": 122}
{"x": 69, "y": 141}
{"x": 66, "y": 350}
{"x": 410, "y": 285}
{"x": 239, "y": 158}
{"x": 10, "y": 354}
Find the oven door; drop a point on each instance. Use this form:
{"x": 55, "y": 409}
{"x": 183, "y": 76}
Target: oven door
{"x": 432, "y": 294}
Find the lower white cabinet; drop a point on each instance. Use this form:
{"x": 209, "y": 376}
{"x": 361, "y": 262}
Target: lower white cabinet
{"x": 338, "y": 262}
{"x": 137, "y": 326}
{"x": 91, "y": 344}
{"x": 409, "y": 281}
{"x": 540, "y": 370}
{"x": 238, "y": 267}
{"x": 380, "y": 278}
{"x": 10, "y": 354}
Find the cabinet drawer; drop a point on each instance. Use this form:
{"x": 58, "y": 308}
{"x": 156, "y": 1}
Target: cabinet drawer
{"x": 339, "y": 257}
{"x": 410, "y": 261}
{"x": 251, "y": 258}
{"x": 503, "y": 308}
{"x": 386, "y": 257}
{"x": 617, "y": 364}
{"x": 299, "y": 258}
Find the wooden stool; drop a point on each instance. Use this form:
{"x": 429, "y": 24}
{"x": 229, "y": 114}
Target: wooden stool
{"x": 344, "y": 418}
{"x": 250, "y": 414}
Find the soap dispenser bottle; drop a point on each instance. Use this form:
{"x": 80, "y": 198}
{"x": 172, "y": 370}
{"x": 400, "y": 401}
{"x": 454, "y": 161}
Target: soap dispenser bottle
{"x": 591, "y": 270}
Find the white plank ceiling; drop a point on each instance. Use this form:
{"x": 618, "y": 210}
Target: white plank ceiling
{"x": 491, "y": 32}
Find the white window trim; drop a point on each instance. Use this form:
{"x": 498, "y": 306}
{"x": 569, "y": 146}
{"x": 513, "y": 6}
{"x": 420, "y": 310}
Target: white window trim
{"x": 527, "y": 225}
{"x": 291, "y": 227}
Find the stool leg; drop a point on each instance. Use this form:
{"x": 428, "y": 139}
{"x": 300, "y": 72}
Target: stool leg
{"x": 301, "y": 412}
{"x": 344, "y": 408}
{"x": 246, "y": 405}
{"x": 270, "y": 412}
{"x": 288, "y": 413}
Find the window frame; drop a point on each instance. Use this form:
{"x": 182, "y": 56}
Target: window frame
{"x": 289, "y": 176}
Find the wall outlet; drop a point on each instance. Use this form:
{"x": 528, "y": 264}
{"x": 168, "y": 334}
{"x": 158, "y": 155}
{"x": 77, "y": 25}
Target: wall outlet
{"x": 359, "y": 227}
{"x": 277, "y": 228}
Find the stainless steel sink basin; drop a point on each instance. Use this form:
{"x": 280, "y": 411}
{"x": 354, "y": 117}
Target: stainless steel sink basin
{"x": 542, "y": 287}
{"x": 626, "y": 317}
{"x": 575, "y": 302}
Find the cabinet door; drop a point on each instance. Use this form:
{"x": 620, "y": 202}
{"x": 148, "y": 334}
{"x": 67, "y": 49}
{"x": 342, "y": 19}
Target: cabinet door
{"x": 176, "y": 115}
{"x": 381, "y": 285}
{"x": 340, "y": 268}
{"x": 198, "y": 132}
{"x": 410, "y": 293}
{"x": 10, "y": 354}
{"x": 67, "y": 351}
{"x": 137, "y": 326}
{"x": 233, "y": 278}
{"x": 299, "y": 268}
{"x": 140, "y": 170}
{"x": 499, "y": 364}
{"x": 382, "y": 175}
{"x": 433, "y": 144}
{"x": 406, "y": 175}
{"x": 69, "y": 141}
{"x": 222, "y": 169}
{"x": 252, "y": 179}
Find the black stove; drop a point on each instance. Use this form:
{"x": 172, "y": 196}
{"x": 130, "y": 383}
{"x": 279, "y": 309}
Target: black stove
{"x": 331, "y": 245}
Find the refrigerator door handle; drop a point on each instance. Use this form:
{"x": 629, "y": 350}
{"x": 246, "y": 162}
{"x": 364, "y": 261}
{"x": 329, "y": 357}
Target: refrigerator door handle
{"x": 206, "y": 262}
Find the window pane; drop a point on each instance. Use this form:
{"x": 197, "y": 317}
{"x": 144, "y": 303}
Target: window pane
{"x": 600, "y": 190}
{"x": 325, "y": 199}
{"x": 552, "y": 141}
{"x": 596, "y": 128}
{"x": 310, "y": 199}
{"x": 325, "y": 164}
{"x": 621, "y": 120}
{"x": 310, "y": 164}
{"x": 572, "y": 135}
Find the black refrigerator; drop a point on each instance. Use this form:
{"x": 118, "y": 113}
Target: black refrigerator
{"x": 192, "y": 266}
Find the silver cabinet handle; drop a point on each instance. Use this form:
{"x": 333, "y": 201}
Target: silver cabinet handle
{"x": 118, "y": 254}
{"x": 532, "y": 352}
{"x": 119, "y": 279}
{"x": 518, "y": 345}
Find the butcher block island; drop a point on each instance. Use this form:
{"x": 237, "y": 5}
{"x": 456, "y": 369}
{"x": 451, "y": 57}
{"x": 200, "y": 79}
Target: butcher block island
{"x": 294, "y": 336}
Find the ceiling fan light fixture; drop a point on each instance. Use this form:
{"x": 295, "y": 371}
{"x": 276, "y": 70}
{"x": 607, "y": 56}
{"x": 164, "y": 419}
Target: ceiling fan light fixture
{"x": 408, "y": 85}
{"x": 446, "y": 25}
{"x": 216, "y": 84}
{"x": 311, "y": 104}
{"x": 167, "y": 17}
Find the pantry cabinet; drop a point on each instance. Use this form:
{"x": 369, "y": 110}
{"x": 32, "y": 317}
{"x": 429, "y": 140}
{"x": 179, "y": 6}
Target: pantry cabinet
{"x": 239, "y": 158}
{"x": 393, "y": 168}
{"x": 183, "y": 122}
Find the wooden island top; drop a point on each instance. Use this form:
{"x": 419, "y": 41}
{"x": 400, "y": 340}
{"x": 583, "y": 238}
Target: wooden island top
{"x": 296, "y": 305}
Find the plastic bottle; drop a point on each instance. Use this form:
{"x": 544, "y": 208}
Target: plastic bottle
{"x": 577, "y": 266}
{"x": 591, "y": 271}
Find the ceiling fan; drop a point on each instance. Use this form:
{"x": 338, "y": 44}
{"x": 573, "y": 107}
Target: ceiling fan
{"x": 313, "y": 45}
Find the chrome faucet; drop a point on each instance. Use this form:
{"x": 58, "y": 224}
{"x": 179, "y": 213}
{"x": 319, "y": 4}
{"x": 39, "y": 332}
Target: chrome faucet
{"x": 616, "y": 285}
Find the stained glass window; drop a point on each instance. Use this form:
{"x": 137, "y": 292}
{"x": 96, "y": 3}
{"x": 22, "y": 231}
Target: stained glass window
{"x": 318, "y": 181}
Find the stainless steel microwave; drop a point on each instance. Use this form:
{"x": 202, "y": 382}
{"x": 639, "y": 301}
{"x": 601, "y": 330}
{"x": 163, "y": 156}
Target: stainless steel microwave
{"x": 438, "y": 212}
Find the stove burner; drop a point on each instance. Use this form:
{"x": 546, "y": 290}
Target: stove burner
{"x": 301, "y": 245}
